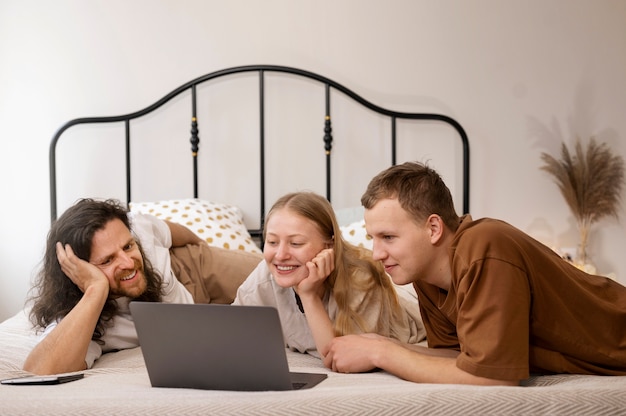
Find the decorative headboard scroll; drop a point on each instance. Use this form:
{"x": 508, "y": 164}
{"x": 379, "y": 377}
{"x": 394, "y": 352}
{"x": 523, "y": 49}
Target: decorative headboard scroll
{"x": 261, "y": 70}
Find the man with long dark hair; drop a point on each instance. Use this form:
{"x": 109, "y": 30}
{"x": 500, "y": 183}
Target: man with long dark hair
{"x": 94, "y": 265}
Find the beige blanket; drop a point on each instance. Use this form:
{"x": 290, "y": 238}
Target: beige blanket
{"x": 119, "y": 384}
{"x": 212, "y": 274}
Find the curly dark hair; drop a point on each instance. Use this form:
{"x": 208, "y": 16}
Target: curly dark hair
{"x": 53, "y": 294}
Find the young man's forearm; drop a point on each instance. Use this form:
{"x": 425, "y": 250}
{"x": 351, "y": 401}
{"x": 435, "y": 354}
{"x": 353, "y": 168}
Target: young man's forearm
{"x": 428, "y": 366}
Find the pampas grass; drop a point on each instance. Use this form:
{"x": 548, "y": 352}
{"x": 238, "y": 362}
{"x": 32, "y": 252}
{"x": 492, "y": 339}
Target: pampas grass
{"x": 591, "y": 181}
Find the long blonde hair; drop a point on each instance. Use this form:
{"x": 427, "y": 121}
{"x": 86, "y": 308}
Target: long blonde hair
{"x": 351, "y": 262}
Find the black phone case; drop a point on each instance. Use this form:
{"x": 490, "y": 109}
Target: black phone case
{"x": 42, "y": 380}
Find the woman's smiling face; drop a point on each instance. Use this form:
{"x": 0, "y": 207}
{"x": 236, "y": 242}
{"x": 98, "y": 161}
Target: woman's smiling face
{"x": 291, "y": 240}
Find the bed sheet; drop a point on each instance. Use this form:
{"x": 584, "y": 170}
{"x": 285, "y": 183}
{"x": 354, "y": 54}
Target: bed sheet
{"x": 119, "y": 384}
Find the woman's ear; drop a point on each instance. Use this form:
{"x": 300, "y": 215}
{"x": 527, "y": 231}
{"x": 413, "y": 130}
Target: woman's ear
{"x": 435, "y": 227}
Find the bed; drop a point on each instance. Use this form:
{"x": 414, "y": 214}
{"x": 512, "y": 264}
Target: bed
{"x": 227, "y": 209}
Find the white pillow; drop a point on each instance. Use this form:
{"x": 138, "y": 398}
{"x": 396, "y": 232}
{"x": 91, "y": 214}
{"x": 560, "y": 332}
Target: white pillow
{"x": 220, "y": 225}
{"x": 347, "y": 216}
{"x": 355, "y": 233}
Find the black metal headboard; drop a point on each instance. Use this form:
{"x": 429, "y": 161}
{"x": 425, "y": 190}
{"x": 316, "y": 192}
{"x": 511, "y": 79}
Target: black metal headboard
{"x": 261, "y": 69}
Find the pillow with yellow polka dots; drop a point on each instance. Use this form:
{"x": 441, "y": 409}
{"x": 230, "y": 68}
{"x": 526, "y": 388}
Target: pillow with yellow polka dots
{"x": 220, "y": 225}
{"x": 355, "y": 233}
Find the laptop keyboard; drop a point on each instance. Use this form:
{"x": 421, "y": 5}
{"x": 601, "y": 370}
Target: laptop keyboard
{"x": 298, "y": 386}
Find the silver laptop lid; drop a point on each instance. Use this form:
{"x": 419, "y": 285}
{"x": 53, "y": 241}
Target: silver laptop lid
{"x": 211, "y": 346}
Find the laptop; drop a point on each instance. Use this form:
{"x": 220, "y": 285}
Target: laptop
{"x": 215, "y": 347}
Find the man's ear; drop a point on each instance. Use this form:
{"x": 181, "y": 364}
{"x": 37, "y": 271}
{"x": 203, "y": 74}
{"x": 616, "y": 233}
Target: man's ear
{"x": 435, "y": 227}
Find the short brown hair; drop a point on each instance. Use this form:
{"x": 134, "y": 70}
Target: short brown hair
{"x": 419, "y": 190}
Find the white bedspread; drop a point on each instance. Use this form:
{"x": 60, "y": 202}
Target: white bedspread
{"x": 118, "y": 384}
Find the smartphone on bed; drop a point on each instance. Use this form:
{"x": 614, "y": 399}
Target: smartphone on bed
{"x": 43, "y": 380}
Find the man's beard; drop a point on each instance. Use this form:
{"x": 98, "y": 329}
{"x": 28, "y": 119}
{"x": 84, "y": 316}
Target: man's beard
{"x": 138, "y": 287}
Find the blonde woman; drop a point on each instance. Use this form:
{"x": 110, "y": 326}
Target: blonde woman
{"x": 321, "y": 285}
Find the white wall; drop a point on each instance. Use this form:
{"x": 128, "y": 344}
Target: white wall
{"x": 515, "y": 74}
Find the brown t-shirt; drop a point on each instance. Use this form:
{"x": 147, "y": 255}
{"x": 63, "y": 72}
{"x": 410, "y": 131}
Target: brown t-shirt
{"x": 515, "y": 307}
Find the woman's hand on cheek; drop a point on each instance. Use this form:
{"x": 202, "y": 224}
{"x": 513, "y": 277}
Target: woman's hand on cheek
{"x": 320, "y": 267}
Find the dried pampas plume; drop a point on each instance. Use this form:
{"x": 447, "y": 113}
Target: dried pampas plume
{"x": 591, "y": 181}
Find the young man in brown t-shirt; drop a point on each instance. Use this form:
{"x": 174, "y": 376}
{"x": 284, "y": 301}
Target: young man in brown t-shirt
{"x": 497, "y": 304}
